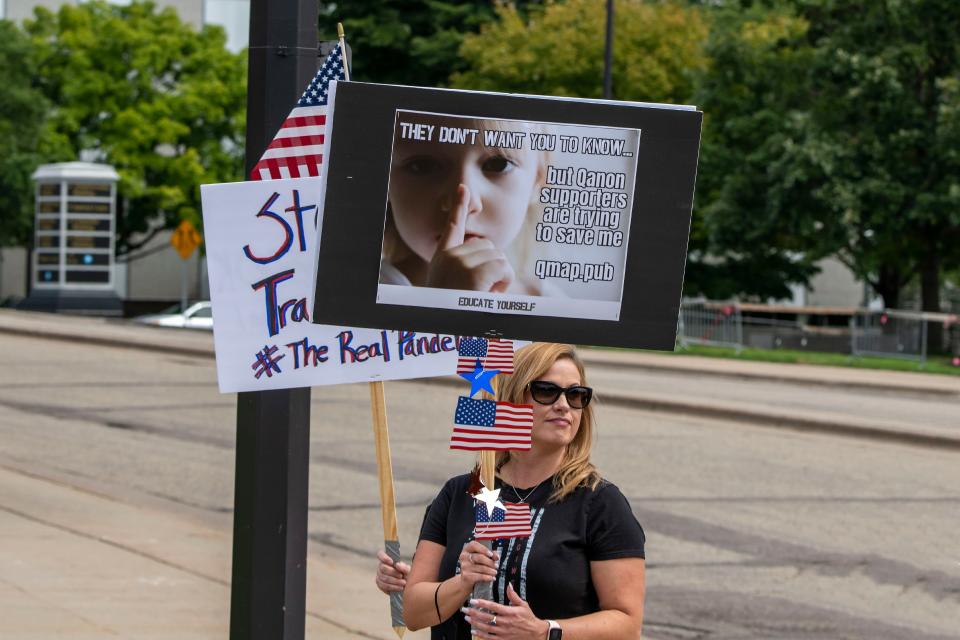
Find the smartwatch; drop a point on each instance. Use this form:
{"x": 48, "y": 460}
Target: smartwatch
{"x": 555, "y": 632}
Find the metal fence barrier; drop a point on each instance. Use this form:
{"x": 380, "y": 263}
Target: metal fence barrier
{"x": 889, "y": 333}
{"x": 902, "y": 334}
{"x": 710, "y": 323}
{"x": 799, "y": 334}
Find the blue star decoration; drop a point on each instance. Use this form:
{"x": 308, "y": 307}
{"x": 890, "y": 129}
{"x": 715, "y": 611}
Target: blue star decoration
{"x": 480, "y": 378}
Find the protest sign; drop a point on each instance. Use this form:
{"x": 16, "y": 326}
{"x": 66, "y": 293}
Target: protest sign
{"x": 260, "y": 242}
{"x": 505, "y": 215}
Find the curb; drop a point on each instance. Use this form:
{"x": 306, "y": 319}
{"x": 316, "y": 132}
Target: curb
{"x": 120, "y": 343}
{"x": 744, "y": 375}
{"x": 809, "y": 424}
{"x": 770, "y": 419}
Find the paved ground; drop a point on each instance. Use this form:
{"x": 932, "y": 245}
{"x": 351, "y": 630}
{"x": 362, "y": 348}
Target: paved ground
{"x": 116, "y": 471}
{"x": 78, "y": 563}
{"x": 805, "y": 397}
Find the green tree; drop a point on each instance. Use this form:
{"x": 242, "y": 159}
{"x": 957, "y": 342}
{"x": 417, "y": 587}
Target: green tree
{"x": 137, "y": 88}
{"x": 746, "y": 239}
{"x": 22, "y": 109}
{"x": 886, "y": 107}
{"x": 558, "y": 49}
{"x": 413, "y": 42}
{"x": 853, "y": 152}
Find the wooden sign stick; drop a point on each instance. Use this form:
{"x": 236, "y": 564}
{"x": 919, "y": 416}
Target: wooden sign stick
{"x": 381, "y": 437}
{"x": 388, "y": 505}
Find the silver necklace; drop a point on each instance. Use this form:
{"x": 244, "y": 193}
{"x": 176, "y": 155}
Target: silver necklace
{"x": 523, "y": 499}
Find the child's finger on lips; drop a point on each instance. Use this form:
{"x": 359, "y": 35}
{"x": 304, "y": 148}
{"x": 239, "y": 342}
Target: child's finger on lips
{"x": 503, "y": 284}
{"x": 494, "y": 274}
{"x": 457, "y": 220}
{"x": 475, "y": 258}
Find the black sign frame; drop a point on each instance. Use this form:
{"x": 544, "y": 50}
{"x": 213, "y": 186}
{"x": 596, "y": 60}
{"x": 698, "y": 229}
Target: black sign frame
{"x": 358, "y": 162}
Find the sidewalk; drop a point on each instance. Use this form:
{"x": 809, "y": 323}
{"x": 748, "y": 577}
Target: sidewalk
{"x": 119, "y": 333}
{"x": 78, "y": 564}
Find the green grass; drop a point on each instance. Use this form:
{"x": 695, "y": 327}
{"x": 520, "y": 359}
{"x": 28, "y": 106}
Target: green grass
{"x": 936, "y": 364}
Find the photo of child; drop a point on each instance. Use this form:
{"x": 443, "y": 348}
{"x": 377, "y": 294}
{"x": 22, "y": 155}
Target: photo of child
{"x": 508, "y": 215}
{"x": 459, "y": 209}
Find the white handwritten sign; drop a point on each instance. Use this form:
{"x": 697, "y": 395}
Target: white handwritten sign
{"x": 261, "y": 244}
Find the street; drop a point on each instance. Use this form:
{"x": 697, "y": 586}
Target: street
{"x": 752, "y": 531}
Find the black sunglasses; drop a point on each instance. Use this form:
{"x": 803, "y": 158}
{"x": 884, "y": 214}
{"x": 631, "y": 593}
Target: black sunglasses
{"x": 545, "y": 392}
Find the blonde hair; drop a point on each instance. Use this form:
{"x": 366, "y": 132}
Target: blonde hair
{"x": 530, "y": 363}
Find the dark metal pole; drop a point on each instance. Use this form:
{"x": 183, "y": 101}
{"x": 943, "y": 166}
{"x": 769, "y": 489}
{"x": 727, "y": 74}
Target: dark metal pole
{"x": 268, "y": 590}
{"x": 608, "y": 55}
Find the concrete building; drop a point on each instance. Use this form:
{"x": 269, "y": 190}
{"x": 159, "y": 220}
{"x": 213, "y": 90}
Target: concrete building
{"x": 834, "y": 286}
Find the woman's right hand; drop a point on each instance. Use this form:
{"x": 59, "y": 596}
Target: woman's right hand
{"x": 477, "y": 564}
{"x": 473, "y": 264}
{"x": 391, "y": 576}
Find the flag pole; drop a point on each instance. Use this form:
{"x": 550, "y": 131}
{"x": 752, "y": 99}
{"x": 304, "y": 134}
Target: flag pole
{"x": 488, "y": 457}
{"x": 488, "y": 475}
{"x": 381, "y": 438}
{"x": 343, "y": 50}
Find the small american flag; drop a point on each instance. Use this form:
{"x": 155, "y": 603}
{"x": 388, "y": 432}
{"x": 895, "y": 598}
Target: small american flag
{"x": 487, "y": 424}
{"x": 512, "y": 523}
{"x": 493, "y": 354}
{"x": 296, "y": 150}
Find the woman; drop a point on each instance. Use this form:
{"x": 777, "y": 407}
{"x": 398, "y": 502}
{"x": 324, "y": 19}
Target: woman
{"x": 581, "y": 572}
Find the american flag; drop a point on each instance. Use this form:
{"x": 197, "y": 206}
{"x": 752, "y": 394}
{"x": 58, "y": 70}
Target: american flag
{"x": 296, "y": 150}
{"x": 487, "y": 424}
{"x": 512, "y": 523}
{"x": 493, "y": 354}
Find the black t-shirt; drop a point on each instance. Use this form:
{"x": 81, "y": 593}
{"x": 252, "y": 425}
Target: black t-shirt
{"x": 551, "y": 568}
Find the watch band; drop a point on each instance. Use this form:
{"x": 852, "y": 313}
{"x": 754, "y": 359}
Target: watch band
{"x": 554, "y": 632}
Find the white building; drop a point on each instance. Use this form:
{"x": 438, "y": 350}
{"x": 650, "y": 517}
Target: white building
{"x": 834, "y": 286}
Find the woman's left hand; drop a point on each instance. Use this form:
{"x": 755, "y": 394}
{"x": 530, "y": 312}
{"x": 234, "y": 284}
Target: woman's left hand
{"x": 513, "y": 622}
